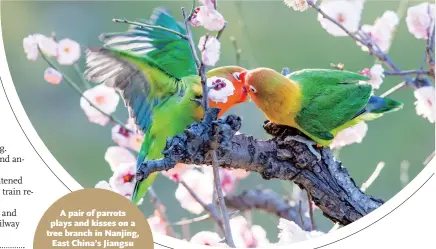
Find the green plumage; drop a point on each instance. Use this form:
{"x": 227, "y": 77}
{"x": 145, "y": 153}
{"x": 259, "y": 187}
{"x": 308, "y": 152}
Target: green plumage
{"x": 154, "y": 72}
{"x": 333, "y": 100}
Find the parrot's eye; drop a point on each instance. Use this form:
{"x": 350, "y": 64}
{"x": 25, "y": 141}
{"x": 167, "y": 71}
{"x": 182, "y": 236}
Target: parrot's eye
{"x": 253, "y": 89}
{"x": 236, "y": 75}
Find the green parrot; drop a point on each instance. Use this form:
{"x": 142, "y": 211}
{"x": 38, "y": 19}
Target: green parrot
{"x": 155, "y": 73}
{"x": 318, "y": 102}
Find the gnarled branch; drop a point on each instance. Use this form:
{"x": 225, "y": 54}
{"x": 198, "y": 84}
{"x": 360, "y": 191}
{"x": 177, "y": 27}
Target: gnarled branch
{"x": 328, "y": 183}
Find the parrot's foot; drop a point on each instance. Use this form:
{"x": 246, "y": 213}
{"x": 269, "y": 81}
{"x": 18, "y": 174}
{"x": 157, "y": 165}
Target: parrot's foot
{"x": 308, "y": 143}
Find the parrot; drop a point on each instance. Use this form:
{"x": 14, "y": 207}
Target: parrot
{"x": 155, "y": 73}
{"x": 318, "y": 102}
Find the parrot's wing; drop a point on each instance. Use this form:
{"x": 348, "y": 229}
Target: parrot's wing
{"x": 330, "y": 98}
{"x": 170, "y": 51}
{"x": 141, "y": 90}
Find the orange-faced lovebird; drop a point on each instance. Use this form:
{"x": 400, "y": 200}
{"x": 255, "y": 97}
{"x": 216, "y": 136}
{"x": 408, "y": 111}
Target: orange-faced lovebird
{"x": 318, "y": 102}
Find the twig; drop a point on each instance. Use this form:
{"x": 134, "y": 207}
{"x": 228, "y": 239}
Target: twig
{"x": 193, "y": 220}
{"x": 309, "y": 203}
{"x": 238, "y": 51}
{"x": 209, "y": 208}
{"x": 144, "y": 25}
{"x": 79, "y": 91}
{"x": 415, "y": 71}
{"x": 160, "y": 208}
{"x": 189, "y": 38}
{"x": 372, "y": 47}
{"x": 218, "y": 35}
{"x": 373, "y": 176}
{"x": 300, "y": 211}
{"x": 394, "y": 89}
{"x": 221, "y": 203}
{"x": 80, "y": 74}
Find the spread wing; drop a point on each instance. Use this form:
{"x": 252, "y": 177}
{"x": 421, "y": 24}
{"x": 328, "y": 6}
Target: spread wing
{"x": 142, "y": 87}
{"x": 170, "y": 51}
{"x": 330, "y": 99}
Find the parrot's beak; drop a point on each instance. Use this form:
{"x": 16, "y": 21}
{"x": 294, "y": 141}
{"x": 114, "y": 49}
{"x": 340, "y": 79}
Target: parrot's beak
{"x": 242, "y": 76}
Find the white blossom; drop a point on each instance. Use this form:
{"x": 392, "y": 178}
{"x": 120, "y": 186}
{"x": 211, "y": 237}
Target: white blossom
{"x": 425, "y": 102}
{"x": 376, "y": 75}
{"x": 207, "y": 238}
{"x": 292, "y": 233}
{"x": 353, "y": 134}
{"x": 201, "y": 185}
{"x": 68, "y": 52}
{"x": 210, "y": 50}
{"x": 347, "y": 13}
{"x": 298, "y": 5}
{"x": 209, "y": 18}
{"x": 419, "y": 18}
{"x": 104, "y": 98}
{"x": 220, "y": 89}
{"x": 52, "y": 76}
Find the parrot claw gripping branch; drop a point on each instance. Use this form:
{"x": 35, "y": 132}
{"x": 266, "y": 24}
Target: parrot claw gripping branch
{"x": 329, "y": 185}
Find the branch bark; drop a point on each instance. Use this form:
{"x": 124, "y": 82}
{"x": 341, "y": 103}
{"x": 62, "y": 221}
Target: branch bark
{"x": 330, "y": 186}
{"x": 269, "y": 202}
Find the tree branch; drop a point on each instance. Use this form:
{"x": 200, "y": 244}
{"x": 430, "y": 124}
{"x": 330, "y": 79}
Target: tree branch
{"x": 367, "y": 42}
{"x": 328, "y": 183}
{"x": 269, "y": 202}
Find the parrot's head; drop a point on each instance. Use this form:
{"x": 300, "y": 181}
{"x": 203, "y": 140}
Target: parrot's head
{"x": 226, "y": 87}
{"x": 262, "y": 84}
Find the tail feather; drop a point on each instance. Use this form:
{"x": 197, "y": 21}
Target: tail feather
{"x": 377, "y": 106}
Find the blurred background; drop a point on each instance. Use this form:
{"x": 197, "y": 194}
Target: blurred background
{"x": 269, "y": 34}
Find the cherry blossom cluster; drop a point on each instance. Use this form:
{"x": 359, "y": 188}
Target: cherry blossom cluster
{"x": 420, "y": 23}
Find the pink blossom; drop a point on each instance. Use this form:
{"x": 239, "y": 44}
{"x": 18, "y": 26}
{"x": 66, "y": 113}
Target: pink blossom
{"x": 425, "y": 102}
{"x": 121, "y": 136}
{"x": 221, "y": 89}
{"x": 347, "y": 13}
{"x": 376, "y": 75}
{"x": 292, "y": 233}
{"x": 208, "y": 3}
{"x": 201, "y": 185}
{"x": 104, "y": 98}
{"x": 381, "y": 32}
{"x": 208, "y": 239}
{"x": 353, "y": 134}
{"x": 123, "y": 179}
{"x": 209, "y": 18}
{"x": 177, "y": 172}
{"x": 247, "y": 236}
{"x": 228, "y": 180}
{"x": 157, "y": 224}
{"x": 52, "y": 76}
{"x": 298, "y": 5}
{"x": 46, "y": 44}
{"x": 108, "y": 186}
{"x": 135, "y": 141}
{"x": 419, "y": 18}
{"x": 210, "y": 50}
{"x": 116, "y": 155}
{"x": 68, "y": 52}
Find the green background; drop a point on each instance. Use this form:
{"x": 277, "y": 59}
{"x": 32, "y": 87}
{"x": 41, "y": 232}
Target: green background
{"x": 270, "y": 35}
